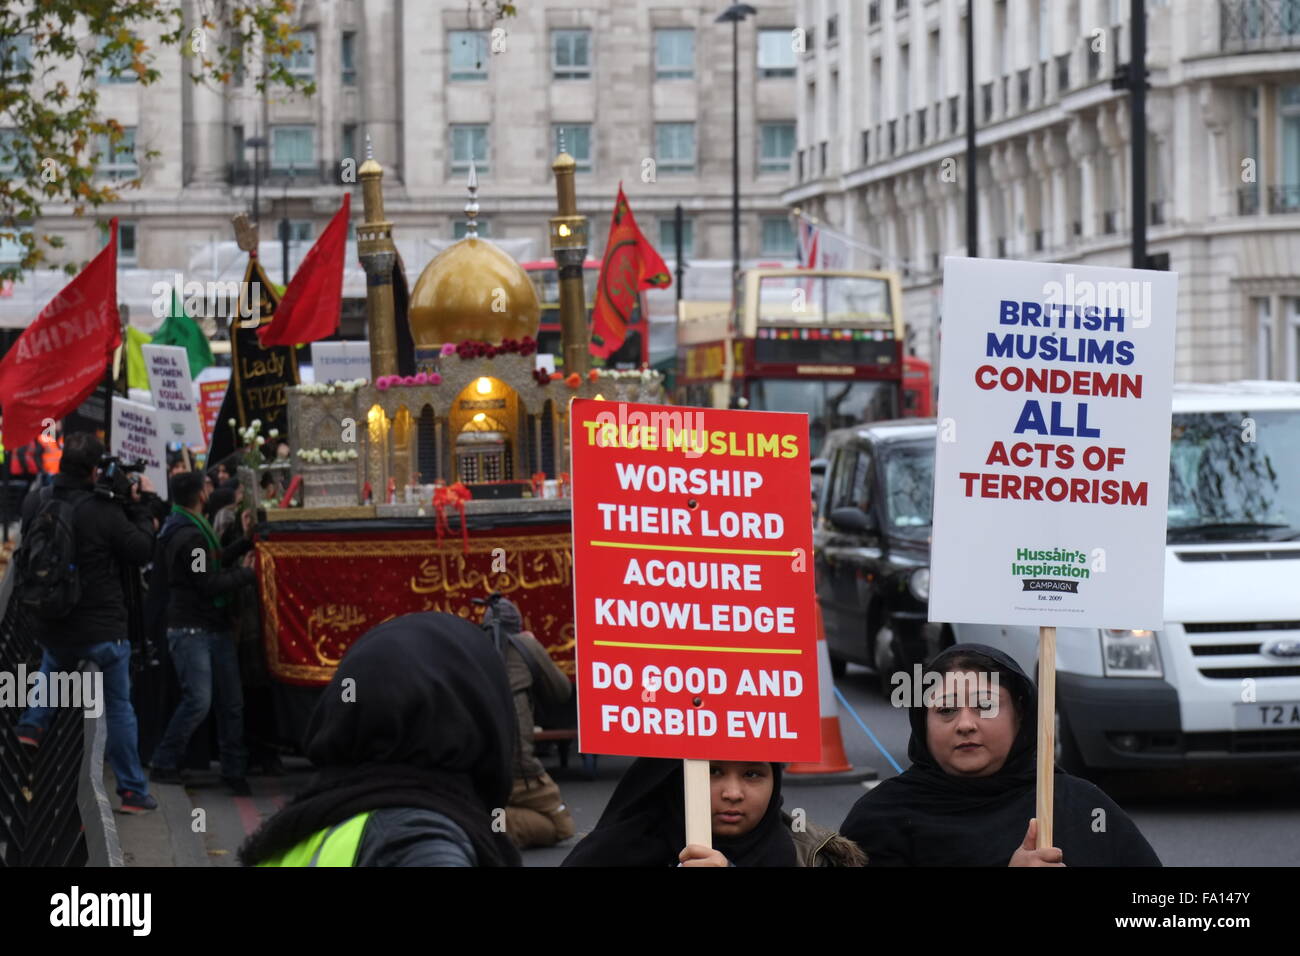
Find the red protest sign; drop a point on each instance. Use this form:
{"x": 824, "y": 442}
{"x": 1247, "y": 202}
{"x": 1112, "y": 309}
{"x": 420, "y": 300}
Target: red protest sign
{"x": 693, "y": 583}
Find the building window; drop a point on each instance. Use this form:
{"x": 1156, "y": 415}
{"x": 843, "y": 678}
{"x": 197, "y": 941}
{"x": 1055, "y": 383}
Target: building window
{"x": 1022, "y": 86}
{"x": 300, "y": 230}
{"x": 675, "y": 147}
{"x": 11, "y": 144}
{"x": 460, "y": 228}
{"x": 16, "y": 55}
{"x": 115, "y": 67}
{"x": 1062, "y": 73}
{"x": 832, "y": 28}
{"x": 674, "y": 54}
{"x": 292, "y": 147}
{"x": 349, "y": 58}
{"x": 986, "y": 101}
{"x": 873, "y": 13}
{"x": 349, "y": 141}
{"x": 1263, "y": 337}
{"x": 577, "y": 143}
{"x": 1287, "y": 193}
{"x": 778, "y": 237}
{"x": 126, "y": 255}
{"x": 776, "y": 146}
{"x": 776, "y": 53}
{"x": 117, "y": 161}
{"x": 571, "y": 54}
{"x": 668, "y": 239}
{"x": 469, "y": 54}
{"x": 1292, "y": 308}
{"x": 469, "y": 143}
{"x": 866, "y": 146}
{"x": 301, "y": 63}
{"x": 12, "y": 249}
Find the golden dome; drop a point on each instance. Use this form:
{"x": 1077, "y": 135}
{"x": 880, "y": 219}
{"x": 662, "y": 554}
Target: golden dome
{"x": 454, "y": 297}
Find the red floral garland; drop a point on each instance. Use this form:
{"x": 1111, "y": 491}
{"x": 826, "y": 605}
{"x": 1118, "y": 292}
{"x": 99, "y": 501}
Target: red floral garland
{"x": 472, "y": 350}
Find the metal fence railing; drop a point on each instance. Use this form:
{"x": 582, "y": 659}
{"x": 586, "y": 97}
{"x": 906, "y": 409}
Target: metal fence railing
{"x": 54, "y": 810}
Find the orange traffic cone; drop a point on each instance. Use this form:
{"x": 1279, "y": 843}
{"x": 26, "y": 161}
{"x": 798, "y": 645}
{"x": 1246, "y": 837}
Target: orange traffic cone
{"x": 834, "y": 766}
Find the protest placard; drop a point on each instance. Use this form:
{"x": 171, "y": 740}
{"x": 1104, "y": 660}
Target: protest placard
{"x": 1052, "y": 462}
{"x": 693, "y": 583}
{"x": 138, "y": 436}
{"x": 168, "y": 367}
{"x": 340, "y": 361}
{"x": 1051, "y": 469}
{"x": 211, "y": 393}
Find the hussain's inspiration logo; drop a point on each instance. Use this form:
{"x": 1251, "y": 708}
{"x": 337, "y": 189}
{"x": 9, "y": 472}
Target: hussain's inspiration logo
{"x": 1055, "y": 569}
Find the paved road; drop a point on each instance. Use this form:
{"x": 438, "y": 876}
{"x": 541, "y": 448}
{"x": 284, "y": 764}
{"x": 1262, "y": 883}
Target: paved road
{"x": 1192, "y": 820}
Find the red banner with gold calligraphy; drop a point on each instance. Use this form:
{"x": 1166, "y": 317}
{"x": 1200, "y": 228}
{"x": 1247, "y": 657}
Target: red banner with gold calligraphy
{"x": 322, "y": 590}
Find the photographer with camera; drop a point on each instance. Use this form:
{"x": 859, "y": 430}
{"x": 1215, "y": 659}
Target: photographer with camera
{"x": 201, "y": 578}
{"x": 535, "y": 814}
{"x": 77, "y": 537}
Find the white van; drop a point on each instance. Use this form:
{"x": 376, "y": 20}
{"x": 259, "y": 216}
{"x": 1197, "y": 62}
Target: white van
{"x": 1220, "y": 682}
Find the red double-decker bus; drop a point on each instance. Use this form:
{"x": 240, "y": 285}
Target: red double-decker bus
{"x": 825, "y": 342}
{"x": 635, "y": 350}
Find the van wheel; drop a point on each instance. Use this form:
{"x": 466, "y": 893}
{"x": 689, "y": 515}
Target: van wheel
{"x": 885, "y": 659}
{"x": 839, "y": 666}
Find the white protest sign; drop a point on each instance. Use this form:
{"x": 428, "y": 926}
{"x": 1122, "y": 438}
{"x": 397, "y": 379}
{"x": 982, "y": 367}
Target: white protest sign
{"x": 173, "y": 394}
{"x": 1052, "y": 463}
{"x": 138, "y": 436}
{"x": 340, "y": 361}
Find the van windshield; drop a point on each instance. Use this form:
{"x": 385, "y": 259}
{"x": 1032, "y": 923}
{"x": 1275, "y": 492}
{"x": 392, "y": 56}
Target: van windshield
{"x": 1235, "y": 475}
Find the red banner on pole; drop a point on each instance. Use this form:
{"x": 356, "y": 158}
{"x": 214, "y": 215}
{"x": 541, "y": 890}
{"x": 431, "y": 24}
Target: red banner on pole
{"x": 61, "y": 358}
{"x": 693, "y": 583}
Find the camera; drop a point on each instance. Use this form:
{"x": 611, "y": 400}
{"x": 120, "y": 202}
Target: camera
{"x": 116, "y": 478}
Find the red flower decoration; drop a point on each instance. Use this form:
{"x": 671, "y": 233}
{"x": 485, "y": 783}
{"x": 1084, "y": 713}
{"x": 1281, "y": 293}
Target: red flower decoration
{"x": 573, "y": 381}
{"x": 593, "y": 375}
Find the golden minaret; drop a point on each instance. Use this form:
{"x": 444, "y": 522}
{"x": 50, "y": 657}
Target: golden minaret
{"x": 378, "y": 255}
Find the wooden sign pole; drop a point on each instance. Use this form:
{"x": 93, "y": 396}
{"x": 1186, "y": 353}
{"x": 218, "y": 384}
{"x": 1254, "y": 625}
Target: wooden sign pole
{"x": 1046, "y": 732}
{"x": 699, "y": 803}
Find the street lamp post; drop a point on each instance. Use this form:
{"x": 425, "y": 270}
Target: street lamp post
{"x": 284, "y": 228}
{"x": 733, "y": 15}
{"x": 256, "y": 144}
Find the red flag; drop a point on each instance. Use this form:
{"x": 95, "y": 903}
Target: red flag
{"x": 311, "y": 305}
{"x": 631, "y": 264}
{"x": 61, "y": 357}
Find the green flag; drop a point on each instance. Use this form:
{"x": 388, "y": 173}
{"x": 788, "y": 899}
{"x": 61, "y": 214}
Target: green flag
{"x": 180, "y": 329}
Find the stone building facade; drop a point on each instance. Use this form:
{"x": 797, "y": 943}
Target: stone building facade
{"x": 881, "y": 145}
{"x": 641, "y": 88}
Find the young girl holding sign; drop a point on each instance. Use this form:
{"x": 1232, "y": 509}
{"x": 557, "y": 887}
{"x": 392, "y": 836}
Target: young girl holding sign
{"x": 969, "y": 795}
{"x": 644, "y": 824}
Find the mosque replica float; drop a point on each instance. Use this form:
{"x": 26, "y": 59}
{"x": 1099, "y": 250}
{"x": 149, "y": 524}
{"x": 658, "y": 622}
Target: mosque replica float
{"x": 422, "y": 492}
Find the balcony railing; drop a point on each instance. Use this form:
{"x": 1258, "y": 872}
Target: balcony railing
{"x": 1284, "y": 198}
{"x": 1280, "y": 199}
{"x": 308, "y": 174}
{"x": 1247, "y": 25}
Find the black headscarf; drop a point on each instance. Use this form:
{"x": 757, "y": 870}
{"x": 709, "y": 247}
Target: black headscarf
{"x": 645, "y": 824}
{"x": 928, "y": 817}
{"x": 429, "y": 724}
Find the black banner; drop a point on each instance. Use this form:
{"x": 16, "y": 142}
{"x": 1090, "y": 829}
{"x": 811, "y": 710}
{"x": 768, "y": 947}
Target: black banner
{"x": 258, "y": 375}
{"x": 1048, "y": 584}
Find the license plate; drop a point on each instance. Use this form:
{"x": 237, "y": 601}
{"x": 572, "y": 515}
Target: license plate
{"x": 1270, "y": 716}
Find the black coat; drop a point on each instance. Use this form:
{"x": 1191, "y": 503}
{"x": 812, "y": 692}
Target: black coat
{"x": 110, "y": 538}
{"x": 191, "y": 593}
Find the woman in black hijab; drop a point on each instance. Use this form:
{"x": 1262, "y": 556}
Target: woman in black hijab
{"x": 645, "y": 823}
{"x": 972, "y": 805}
{"x": 416, "y": 730}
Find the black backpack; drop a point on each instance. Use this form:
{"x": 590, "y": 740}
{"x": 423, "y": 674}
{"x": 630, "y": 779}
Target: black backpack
{"x": 47, "y": 585}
